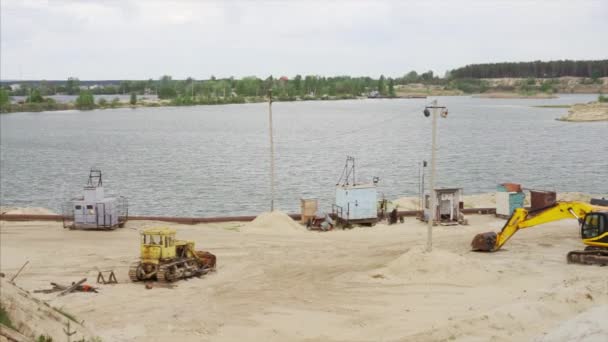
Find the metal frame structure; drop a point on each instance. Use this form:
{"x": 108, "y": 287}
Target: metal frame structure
{"x": 101, "y": 219}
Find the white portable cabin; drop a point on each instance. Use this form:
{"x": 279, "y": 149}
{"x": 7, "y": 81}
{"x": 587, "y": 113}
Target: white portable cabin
{"x": 357, "y": 203}
{"x": 447, "y": 207}
{"x": 93, "y": 210}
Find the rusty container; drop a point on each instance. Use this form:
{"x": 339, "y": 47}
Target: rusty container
{"x": 541, "y": 199}
{"x": 511, "y": 187}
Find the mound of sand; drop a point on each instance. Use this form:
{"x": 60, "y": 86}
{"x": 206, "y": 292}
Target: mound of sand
{"x": 33, "y": 317}
{"x": 26, "y": 211}
{"x": 592, "y": 111}
{"x": 274, "y": 221}
{"x": 438, "y": 266}
{"x": 588, "y": 326}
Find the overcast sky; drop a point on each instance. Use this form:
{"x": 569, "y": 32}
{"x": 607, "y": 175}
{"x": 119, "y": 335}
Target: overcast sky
{"x": 141, "y": 39}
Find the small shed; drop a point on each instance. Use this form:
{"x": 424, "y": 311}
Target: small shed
{"x": 509, "y": 196}
{"x": 356, "y": 203}
{"x": 447, "y": 208}
{"x": 93, "y": 210}
{"x": 308, "y": 209}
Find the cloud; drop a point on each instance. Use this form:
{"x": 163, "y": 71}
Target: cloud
{"x": 143, "y": 39}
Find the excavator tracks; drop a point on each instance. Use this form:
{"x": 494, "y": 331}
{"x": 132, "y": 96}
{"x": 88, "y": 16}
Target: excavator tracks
{"x": 590, "y": 256}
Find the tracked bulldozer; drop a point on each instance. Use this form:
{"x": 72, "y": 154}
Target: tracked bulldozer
{"x": 166, "y": 259}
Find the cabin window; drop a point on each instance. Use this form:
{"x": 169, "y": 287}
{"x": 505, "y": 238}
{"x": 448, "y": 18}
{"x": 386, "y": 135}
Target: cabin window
{"x": 593, "y": 225}
{"x": 78, "y": 207}
{"x": 89, "y": 206}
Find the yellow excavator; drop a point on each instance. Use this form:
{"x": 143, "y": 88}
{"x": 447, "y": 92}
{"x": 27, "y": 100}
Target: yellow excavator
{"x": 593, "y": 222}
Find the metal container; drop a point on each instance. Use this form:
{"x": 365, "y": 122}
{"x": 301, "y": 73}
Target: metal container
{"x": 308, "y": 209}
{"x": 357, "y": 202}
{"x": 507, "y": 202}
{"x": 542, "y": 199}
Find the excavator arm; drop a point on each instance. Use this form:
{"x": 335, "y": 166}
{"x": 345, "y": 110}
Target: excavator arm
{"x": 522, "y": 218}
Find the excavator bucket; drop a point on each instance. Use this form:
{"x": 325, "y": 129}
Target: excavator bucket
{"x": 484, "y": 242}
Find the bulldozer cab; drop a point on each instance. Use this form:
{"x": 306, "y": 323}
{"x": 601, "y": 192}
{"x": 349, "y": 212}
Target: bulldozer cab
{"x": 157, "y": 244}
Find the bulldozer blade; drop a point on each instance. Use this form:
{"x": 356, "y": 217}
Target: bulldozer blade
{"x": 484, "y": 242}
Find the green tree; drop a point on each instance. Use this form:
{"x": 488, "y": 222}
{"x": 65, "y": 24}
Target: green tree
{"x": 391, "y": 88}
{"x": 71, "y": 86}
{"x": 34, "y": 97}
{"x": 5, "y": 99}
{"x": 411, "y": 77}
{"x": 85, "y": 100}
{"x": 381, "y": 85}
{"x": 133, "y": 100}
{"x": 166, "y": 89}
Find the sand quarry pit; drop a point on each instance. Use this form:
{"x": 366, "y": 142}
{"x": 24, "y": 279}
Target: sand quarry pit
{"x": 278, "y": 282}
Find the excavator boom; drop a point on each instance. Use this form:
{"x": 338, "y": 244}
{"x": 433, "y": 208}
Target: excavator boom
{"x": 522, "y": 218}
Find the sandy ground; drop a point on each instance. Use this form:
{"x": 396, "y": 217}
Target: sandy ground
{"x": 593, "y": 111}
{"x": 278, "y": 282}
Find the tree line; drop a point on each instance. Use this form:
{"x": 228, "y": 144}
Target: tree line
{"x": 537, "y": 69}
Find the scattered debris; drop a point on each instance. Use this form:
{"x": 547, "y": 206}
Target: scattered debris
{"x": 80, "y": 287}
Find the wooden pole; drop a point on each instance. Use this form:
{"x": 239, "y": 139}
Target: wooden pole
{"x": 271, "y": 150}
{"x": 432, "y": 206}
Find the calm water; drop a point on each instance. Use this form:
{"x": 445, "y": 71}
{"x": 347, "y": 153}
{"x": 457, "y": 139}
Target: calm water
{"x": 213, "y": 160}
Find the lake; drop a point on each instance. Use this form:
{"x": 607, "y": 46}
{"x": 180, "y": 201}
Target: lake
{"x": 214, "y": 160}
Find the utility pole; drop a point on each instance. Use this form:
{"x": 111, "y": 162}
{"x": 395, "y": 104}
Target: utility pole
{"x": 433, "y": 205}
{"x": 271, "y": 150}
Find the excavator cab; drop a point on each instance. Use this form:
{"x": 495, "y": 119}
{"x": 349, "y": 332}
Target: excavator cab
{"x": 594, "y": 229}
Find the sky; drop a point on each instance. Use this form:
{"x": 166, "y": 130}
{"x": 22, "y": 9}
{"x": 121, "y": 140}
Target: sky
{"x": 142, "y": 39}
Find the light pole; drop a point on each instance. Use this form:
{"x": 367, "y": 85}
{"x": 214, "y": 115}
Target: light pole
{"x": 271, "y": 150}
{"x": 432, "y": 205}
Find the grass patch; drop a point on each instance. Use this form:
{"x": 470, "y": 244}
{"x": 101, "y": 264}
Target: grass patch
{"x": 552, "y": 106}
{"x": 5, "y": 320}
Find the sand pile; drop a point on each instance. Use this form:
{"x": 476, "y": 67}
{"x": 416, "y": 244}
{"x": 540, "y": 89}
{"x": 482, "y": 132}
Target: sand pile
{"x": 33, "y": 317}
{"x": 592, "y": 111}
{"x": 26, "y": 211}
{"x": 438, "y": 266}
{"x": 276, "y": 221}
{"x": 588, "y": 326}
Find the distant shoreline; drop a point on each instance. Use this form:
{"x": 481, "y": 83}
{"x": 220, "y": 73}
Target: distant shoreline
{"x": 43, "y": 107}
